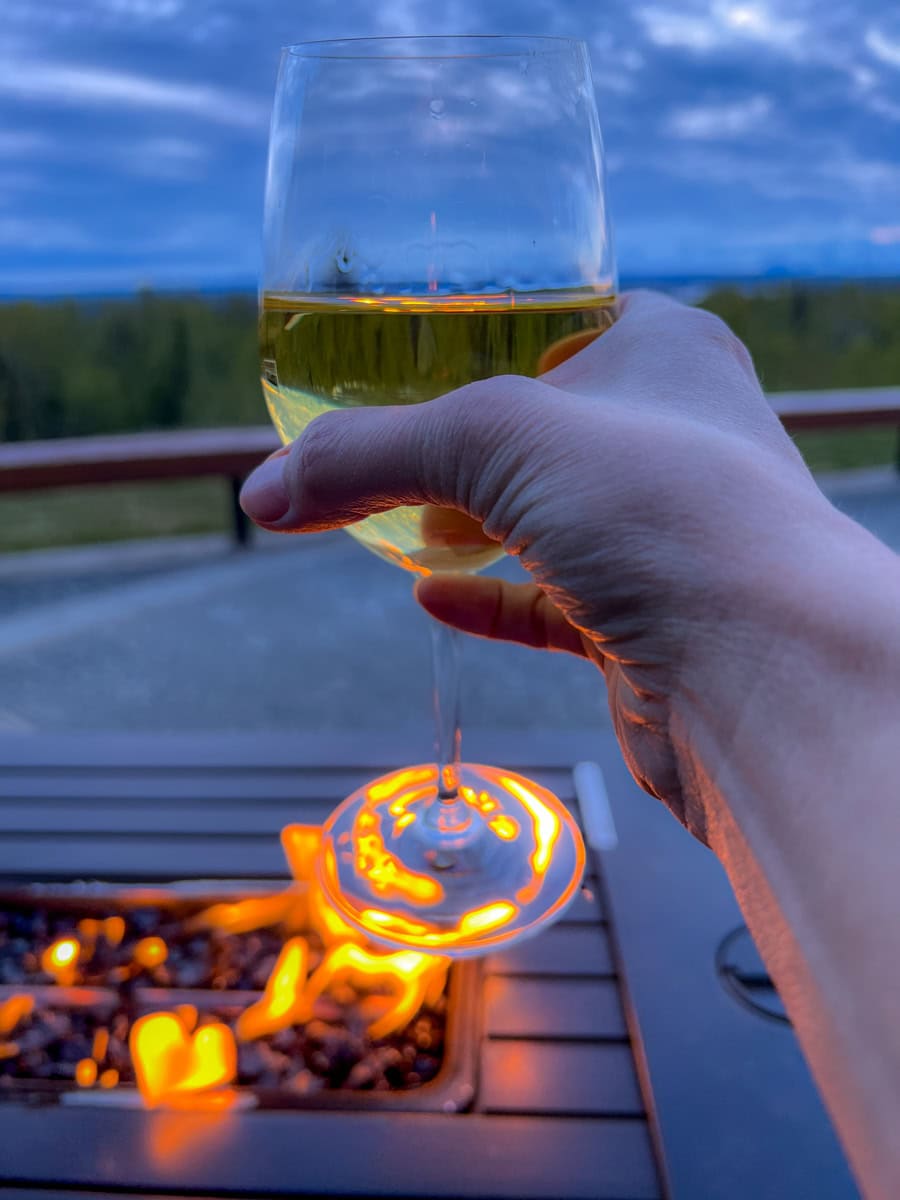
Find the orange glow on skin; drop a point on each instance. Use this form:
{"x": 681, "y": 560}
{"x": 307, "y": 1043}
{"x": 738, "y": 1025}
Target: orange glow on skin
{"x": 150, "y": 952}
{"x": 61, "y": 960}
{"x": 14, "y": 1010}
{"x": 283, "y": 1003}
{"x": 172, "y": 1065}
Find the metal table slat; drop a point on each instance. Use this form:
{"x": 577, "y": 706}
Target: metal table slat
{"x": 559, "y": 1077}
{"x": 560, "y": 950}
{"x": 121, "y": 857}
{"x": 175, "y": 817}
{"x": 553, "y": 1008}
{"x": 510, "y": 1158}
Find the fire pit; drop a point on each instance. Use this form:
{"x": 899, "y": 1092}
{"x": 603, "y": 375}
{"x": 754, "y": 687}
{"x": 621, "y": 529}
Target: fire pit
{"x": 533, "y": 1093}
{"x": 184, "y": 998}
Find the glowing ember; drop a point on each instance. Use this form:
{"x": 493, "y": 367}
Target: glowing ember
{"x": 109, "y": 1079}
{"x": 114, "y": 930}
{"x": 283, "y": 1003}
{"x": 86, "y": 1073}
{"x": 150, "y": 952}
{"x": 173, "y": 1065}
{"x": 101, "y": 1045}
{"x": 61, "y": 960}
{"x": 14, "y": 1010}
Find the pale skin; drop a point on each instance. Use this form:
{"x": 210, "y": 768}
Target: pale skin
{"x": 748, "y": 632}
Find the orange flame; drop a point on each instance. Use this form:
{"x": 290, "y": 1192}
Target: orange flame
{"x": 283, "y": 1002}
{"x": 177, "y": 1068}
{"x": 61, "y": 960}
{"x": 301, "y": 846}
{"x": 100, "y": 1045}
{"x": 410, "y": 975}
{"x": 256, "y": 912}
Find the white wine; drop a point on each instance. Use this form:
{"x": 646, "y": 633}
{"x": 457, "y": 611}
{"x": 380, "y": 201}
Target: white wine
{"x": 321, "y": 352}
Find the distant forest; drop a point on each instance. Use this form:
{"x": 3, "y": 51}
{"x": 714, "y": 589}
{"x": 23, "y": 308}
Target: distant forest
{"x": 153, "y": 361}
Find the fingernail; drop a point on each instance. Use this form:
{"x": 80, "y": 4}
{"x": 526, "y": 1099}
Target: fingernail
{"x": 264, "y": 496}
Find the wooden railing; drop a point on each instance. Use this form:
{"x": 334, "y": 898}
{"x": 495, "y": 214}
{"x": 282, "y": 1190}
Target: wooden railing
{"x": 232, "y": 453}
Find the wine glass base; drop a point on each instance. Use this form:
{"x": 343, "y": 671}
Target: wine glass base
{"x": 459, "y": 877}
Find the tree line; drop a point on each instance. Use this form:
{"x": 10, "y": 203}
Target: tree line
{"x": 153, "y": 361}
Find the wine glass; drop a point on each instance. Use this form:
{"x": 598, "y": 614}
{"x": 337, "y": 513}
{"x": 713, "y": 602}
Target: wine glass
{"x": 435, "y": 214}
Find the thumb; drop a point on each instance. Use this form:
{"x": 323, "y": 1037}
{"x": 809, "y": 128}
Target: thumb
{"x": 461, "y": 451}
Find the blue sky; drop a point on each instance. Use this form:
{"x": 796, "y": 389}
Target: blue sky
{"x": 742, "y": 137}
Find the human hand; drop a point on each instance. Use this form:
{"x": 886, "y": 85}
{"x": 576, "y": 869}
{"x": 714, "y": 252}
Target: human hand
{"x": 646, "y": 486}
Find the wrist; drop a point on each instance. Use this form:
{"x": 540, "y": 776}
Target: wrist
{"x": 808, "y": 660}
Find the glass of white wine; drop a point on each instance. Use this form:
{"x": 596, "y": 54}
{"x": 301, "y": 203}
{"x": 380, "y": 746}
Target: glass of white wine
{"x": 435, "y": 214}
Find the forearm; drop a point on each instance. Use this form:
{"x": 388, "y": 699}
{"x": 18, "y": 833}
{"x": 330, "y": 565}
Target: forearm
{"x": 797, "y": 775}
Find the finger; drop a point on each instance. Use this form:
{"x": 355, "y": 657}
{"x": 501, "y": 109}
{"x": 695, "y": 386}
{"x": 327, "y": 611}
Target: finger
{"x": 581, "y": 361}
{"x": 493, "y": 608}
{"x": 459, "y": 451}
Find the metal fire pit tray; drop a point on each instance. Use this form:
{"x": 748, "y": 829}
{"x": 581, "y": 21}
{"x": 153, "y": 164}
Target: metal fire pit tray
{"x": 452, "y": 1089}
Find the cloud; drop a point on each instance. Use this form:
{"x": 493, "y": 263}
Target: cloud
{"x": 22, "y": 143}
{"x": 885, "y": 49}
{"x": 708, "y": 28}
{"x": 885, "y": 235}
{"x": 171, "y": 158}
{"x": 42, "y": 233}
{"x": 56, "y": 82}
{"x": 710, "y": 122}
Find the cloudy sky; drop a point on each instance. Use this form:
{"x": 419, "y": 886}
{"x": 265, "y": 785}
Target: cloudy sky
{"x": 743, "y": 136}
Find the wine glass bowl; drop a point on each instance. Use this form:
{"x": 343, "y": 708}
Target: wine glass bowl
{"x": 435, "y": 214}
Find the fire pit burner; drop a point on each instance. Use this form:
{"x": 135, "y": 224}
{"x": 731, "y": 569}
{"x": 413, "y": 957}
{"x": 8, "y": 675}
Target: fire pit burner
{"x": 261, "y": 1004}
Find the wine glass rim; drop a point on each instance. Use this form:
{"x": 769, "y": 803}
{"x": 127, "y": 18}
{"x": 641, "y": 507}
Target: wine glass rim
{"x": 422, "y": 46}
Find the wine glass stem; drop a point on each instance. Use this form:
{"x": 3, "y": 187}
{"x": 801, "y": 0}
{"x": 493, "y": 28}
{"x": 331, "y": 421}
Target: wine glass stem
{"x": 445, "y": 647}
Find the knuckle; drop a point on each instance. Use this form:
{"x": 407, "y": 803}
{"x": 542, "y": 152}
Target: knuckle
{"x": 316, "y": 447}
{"x": 720, "y": 335}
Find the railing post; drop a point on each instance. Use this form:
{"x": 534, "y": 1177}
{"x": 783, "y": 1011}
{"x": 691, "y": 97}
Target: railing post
{"x": 239, "y": 521}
